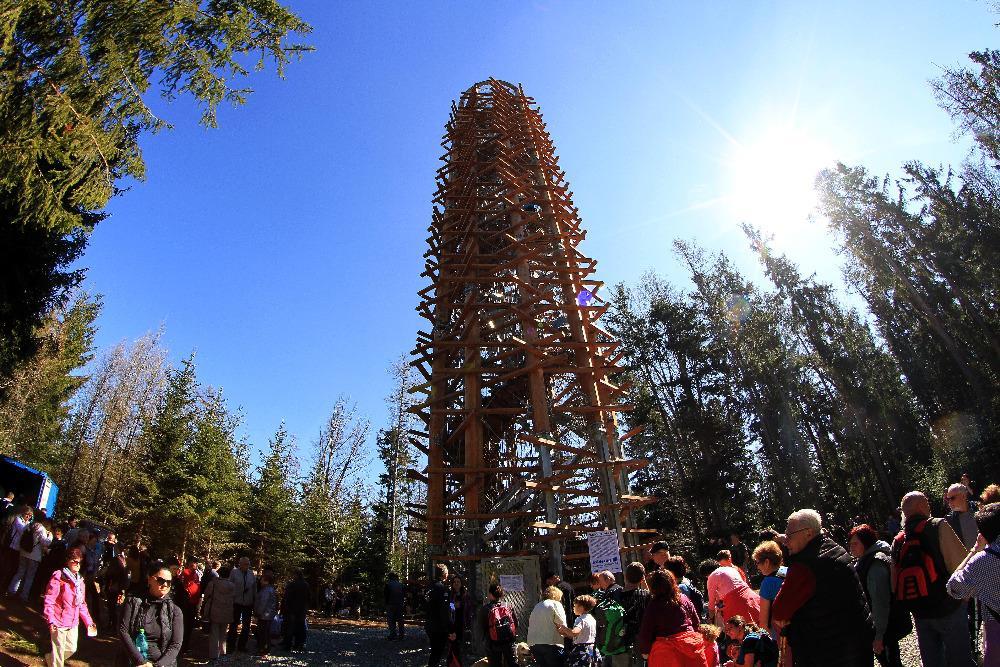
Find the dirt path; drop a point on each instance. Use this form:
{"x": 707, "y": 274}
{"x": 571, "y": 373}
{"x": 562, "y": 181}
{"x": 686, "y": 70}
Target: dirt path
{"x": 24, "y": 640}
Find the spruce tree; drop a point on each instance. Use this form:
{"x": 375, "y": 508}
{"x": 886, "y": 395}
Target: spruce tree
{"x": 274, "y": 531}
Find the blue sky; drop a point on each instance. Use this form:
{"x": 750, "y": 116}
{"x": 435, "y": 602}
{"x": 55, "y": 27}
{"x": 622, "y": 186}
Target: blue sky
{"x": 285, "y": 246}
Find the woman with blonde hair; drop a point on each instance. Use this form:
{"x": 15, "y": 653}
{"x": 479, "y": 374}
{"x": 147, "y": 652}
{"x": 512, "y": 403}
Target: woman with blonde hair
{"x": 769, "y": 558}
{"x": 544, "y": 640}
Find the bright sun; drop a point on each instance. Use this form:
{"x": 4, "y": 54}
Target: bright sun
{"x": 772, "y": 179}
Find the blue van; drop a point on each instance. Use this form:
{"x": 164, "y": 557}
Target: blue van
{"x": 30, "y": 486}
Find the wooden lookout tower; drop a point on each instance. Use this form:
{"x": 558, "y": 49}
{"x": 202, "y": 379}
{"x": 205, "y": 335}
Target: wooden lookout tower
{"x": 520, "y": 414}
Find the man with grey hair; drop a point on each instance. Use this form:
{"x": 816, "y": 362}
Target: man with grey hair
{"x": 821, "y": 601}
{"x": 962, "y": 517}
{"x": 606, "y": 587}
{"x": 244, "y": 591}
{"x": 609, "y": 584}
{"x": 923, "y": 557}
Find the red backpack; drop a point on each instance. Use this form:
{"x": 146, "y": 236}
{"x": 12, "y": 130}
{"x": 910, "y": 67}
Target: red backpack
{"x": 502, "y": 624}
{"x": 920, "y": 573}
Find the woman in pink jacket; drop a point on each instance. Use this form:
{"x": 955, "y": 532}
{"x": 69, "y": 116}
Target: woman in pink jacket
{"x": 65, "y": 607}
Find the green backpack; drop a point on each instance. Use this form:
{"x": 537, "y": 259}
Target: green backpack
{"x": 613, "y": 616}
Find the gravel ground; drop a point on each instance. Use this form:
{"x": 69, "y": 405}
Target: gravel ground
{"x": 344, "y": 646}
{"x": 908, "y": 651}
{"x": 359, "y": 646}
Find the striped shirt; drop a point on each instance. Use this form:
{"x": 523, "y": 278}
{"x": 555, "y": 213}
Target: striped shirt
{"x": 980, "y": 578}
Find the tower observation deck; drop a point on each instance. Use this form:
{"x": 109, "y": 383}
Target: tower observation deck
{"x": 518, "y": 403}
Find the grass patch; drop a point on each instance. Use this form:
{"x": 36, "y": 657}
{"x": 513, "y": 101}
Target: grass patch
{"x": 15, "y": 643}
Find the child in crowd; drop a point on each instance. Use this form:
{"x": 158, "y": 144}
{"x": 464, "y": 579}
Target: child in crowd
{"x": 584, "y": 652}
{"x": 711, "y": 633}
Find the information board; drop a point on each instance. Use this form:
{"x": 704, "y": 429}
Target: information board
{"x": 512, "y": 583}
{"x": 604, "y": 551}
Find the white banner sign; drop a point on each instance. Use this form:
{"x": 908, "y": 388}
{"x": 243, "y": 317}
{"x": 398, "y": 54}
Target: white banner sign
{"x": 604, "y": 551}
{"x": 512, "y": 583}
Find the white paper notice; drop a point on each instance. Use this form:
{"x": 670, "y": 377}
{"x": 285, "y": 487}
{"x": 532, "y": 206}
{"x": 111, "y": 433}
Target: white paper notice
{"x": 512, "y": 583}
{"x": 604, "y": 551}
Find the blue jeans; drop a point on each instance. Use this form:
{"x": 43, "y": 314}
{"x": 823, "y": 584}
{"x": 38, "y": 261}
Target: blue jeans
{"x": 547, "y": 655}
{"x": 945, "y": 641}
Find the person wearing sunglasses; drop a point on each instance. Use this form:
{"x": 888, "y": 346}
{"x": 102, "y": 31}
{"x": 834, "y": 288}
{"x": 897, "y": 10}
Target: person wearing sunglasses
{"x": 65, "y": 606}
{"x": 156, "y": 617}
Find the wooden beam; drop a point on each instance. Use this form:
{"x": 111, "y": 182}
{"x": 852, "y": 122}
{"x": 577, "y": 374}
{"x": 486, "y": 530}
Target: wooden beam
{"x": 634, "y": 432}
{"x": 551, "y": 444}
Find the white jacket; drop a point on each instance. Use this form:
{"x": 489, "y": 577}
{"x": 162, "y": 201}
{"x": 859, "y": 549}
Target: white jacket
{"x": 542, "y": 623}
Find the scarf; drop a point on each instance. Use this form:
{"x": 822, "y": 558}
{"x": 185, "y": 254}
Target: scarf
{"x": 78, "y": 584}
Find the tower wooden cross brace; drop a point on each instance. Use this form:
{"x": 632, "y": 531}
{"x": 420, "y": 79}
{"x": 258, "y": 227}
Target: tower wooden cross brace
{"x": 520, "y": 410}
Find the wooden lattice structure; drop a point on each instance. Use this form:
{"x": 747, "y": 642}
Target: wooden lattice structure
{"x": 520, "y": 414}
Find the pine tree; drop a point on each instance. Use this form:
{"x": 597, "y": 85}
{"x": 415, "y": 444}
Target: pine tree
{"x": 921, "y": 257}
{"x": 973, "y": 100}
{"x": 692, "y": 432}
{"x": 36, "y": 279}
{"x": 332, "y": 494}
{"x": 752, "y": 329}
{"x": 397, "y": 456}
{"x": 860, "y": 413}
{"x": 274, "y": 532}
{"x": 103, "y": 433}
{"x": 72, "y": 78}
{"x": 166, "y": 439}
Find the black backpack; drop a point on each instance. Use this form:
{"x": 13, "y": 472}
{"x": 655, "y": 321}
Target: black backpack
{"x": 164, "y": 616}
{"x": 766, "y": 651}
{"x": 27, "y": 542}
{"x": 633, "y": 615}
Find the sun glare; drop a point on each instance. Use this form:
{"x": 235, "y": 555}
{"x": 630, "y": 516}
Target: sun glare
{"x": 772, "y": 179}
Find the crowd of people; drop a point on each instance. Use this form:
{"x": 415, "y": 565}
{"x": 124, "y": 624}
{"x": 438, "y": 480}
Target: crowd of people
{"x": 817, "y": 594}
{"x": 155, "y": 607}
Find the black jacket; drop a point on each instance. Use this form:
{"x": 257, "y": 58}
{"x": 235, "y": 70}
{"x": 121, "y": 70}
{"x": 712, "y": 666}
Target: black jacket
{"x": 164, "y": 625}
{"x": 834, "y": 627}
{"x": 116, "y": 579}
{"x": 439, "y": 619}
{"x": 567, "y": 601}
{"x": 296, "y": 600}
